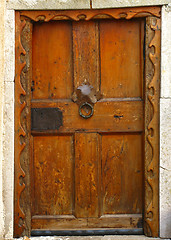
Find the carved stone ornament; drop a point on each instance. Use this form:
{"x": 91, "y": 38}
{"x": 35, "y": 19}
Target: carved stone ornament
{"x": 85, "y": 93}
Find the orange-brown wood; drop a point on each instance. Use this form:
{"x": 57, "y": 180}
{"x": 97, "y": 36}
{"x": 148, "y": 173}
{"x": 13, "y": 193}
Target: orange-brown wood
{"x": 86, "y": 53}
{"x": 52, "y": 73}
{"x": 88, "y": 173}
{"x": 26, "y": 75}
{"x": 126, "y": 221}
{"x": 151, "y": 208}
{"x": 52, "y": 175}
{"x": 122, "y": 166}
{"x": 19, "y": 173}
{"x": 121, "y": 72}
{"x": 93, "y": 194}
{"x": 109, "y": 116}
{"x": 87, "y": 15}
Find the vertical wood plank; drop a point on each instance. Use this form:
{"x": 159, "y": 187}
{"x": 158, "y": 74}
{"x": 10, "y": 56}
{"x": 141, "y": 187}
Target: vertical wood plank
{"x": 52, "y": 60}
{"x": 121, "y": 51}
{"x": 53, "y": 175}
{"x": 86, "y": 53}
{"x": 86, "y": 174}
{"x": 122, "y": 174}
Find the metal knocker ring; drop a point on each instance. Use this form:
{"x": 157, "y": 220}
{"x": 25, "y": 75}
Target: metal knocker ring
{"x": 88, "y": 105}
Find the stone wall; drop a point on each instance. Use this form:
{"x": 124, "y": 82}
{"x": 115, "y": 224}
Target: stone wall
{"x": 165, "y": 126}
{"x": 7, "y": 100}
{"x": 2, "y": 8}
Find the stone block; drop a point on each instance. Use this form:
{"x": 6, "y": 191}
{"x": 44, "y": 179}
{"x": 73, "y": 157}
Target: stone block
{"x": 165, "y": 133}
{"x": 165, "y": 168}
{"x": 106, "y": 237}
{"x": 2, "y": 8}
{"x": 9, "y": 46}
{"x": 126, "y": 3}
{"x": 166, "y": 52}
{"x": 47, "y": 4}
{"x": 8, "y": 158}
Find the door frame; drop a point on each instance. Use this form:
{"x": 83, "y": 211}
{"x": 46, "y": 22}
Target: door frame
{"x": 23, "y": 53}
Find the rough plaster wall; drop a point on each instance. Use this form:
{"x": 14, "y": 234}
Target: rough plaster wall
{"x": 75, "y": 4}
{"x": 165, "y": 126}
{"x": 8, "y": 102}
{"x": 48, "y": 4}
{"x": 107, "y": 237}
{"x": 126, "y": 3}
{"x": 8, "y": 128}
{"x": 2, "y": 9}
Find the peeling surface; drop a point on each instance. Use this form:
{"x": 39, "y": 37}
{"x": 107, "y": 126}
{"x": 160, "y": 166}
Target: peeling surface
{"x": 86, "y": 93}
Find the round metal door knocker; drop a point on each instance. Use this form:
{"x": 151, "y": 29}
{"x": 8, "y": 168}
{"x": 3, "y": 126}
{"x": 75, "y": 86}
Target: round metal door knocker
{"x": 88, "y": 106}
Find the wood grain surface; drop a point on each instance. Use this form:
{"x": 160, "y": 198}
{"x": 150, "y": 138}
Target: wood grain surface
{"x": 87, "y": 173}
{"x": 52, "y": 60}
{"x": 102, "y": 175}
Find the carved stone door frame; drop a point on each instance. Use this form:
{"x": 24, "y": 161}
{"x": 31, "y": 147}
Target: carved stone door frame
{"x": 23, "y": 49}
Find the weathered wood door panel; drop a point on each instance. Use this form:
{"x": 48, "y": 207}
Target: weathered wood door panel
{"x": 88, "y": 176}
{"x": 86, "y": 171}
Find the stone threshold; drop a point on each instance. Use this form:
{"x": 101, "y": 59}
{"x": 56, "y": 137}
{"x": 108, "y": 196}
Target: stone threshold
{"x": 107, "y": 237}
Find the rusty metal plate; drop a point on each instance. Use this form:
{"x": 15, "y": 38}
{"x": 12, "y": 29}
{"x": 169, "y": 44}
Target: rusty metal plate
{"x": 46, "y": 119}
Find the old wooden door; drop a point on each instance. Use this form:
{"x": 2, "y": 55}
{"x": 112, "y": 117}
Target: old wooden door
{"x": 86, "y": 98}
{"x": 87, "y": 172}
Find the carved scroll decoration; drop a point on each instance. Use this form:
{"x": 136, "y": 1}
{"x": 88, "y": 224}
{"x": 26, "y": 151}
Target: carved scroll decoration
{"x": 151, "y": 218}
{"x": 19, "y": 131}
{"x": 125, "y": 13}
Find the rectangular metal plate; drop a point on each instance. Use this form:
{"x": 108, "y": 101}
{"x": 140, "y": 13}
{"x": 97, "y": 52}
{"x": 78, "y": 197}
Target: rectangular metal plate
{"x": 46, "y": 119}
